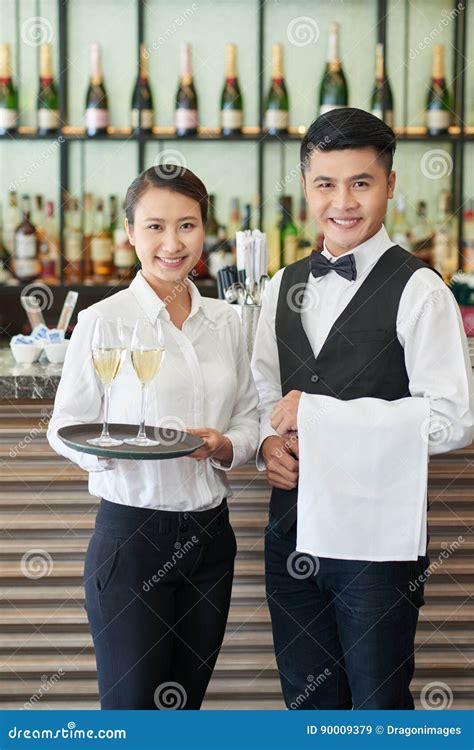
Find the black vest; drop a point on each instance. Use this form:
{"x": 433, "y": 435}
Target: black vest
{"x": 361, "y": 356}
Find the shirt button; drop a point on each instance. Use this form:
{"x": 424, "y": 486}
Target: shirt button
{"x": 314, "y": 378}
{"x": 185, "y": 516}
{"x": 177, "y": 545}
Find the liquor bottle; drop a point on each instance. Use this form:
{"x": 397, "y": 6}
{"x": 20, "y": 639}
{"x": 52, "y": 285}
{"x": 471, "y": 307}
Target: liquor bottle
{"x": 37, "y": 213}
{"x": 26, "y": 266}
{"x": 212, "y": 226}
{"x": 422, "y": 235}
{"x": 73, "y": 273}
{"x": 97, "y": 113}
{"x": 11, "y": 220}
{"x": 101, "y": 246}
{"x": 231, "y": 99}
{"x": 445, "y": 251}
{"x": 305, "y": 245}
{"x": 221, "y": 255}
{"x": 273, "y": 231}
{"x": 277, "y": 106}
{"x": 333, "y": 92}
{"x": 88, "y": 208}
{"x": 48, "y": 104}
{"x": 49, "y": 247}
{"x": 142, "y": 98}
{"x": 235, "y": 223}
{"x": 438, "y": 102}
{"x": 5, "y": 258}
{"x": 382, "y": 99}
{"x": 247, "y": 217}
{"x": 400, "y": 232}
{"x": 8, "y": 94}
{"x": 125, "y": 258}
{"x": 113, "y": 214}
{"x": 186, "y": 116}
{"x": 468, "y": 238}
{"x": 289, "y": 232}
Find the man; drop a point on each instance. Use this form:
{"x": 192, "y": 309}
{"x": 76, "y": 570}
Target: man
{"x": 363, "y": 328}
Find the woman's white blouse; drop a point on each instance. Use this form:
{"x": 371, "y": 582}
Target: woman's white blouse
{"x": 204, "y": 381}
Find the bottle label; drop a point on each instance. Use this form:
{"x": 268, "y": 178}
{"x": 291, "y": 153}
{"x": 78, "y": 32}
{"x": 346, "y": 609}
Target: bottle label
{"x": 388, "y": 116}
{"x": 26, "y": 268}
{"x": 8, "y": 118}
{"x": 73, "y": 247}
{"x": 438, "y": 119}
{"x": 232, "y": 119}
{"x": 276, "y": 119}
{"x": 147, "y": 119}
{"x": 26, "y": 246}
{"x": 48, "y": 119}
{"x": 96, "y": 118}
{"x": 329, "y": 107}
{"x": 186, "y": 119}
{"x": 101, "y": 249}
{"x": 124, "y": 257}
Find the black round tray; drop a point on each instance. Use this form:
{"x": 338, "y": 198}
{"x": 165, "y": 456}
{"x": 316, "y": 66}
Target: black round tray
{"x": 173, "y": 443}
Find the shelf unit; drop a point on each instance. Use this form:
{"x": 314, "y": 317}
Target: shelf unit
{"x": 457, "y": 138}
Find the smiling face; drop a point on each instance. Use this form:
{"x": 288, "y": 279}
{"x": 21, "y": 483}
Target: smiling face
{"x": 347, "y": 193}
{"x": 168, "y": 235}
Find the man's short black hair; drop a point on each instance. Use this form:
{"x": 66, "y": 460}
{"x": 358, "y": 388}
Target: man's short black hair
{"x": 348, "y": 127}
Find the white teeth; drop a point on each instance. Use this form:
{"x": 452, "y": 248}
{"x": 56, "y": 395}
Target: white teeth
{"x": 345, "y": 222}
{"x": 170, "y": 262}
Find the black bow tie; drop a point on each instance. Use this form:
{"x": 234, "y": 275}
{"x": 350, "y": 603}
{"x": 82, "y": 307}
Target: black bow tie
{"x": 344, "y": 266}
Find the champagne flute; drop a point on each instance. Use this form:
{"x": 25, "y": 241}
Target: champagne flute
{"x": 147, "y": 352}
{"x": 108, "y": 354}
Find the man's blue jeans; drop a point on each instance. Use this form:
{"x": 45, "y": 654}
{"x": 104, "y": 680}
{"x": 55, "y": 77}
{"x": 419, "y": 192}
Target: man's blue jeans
{"x": 343, "y": 630}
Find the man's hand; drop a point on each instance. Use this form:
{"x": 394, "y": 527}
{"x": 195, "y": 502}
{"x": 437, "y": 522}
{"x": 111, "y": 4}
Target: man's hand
{"x": 279, "y": 454}
{"x": 217, "y": 446}
{"x": 285, "y": 412}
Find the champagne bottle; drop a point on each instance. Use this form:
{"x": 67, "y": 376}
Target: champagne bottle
{"x": 231, "y": 99}
{"x": 48, "y": 105}
{"x": 277, "y": 105}
{"x": 333, "y": 92}
{"x": 101, "y": 246}
{"x": 382, "y": 99}
{"x": 97, "y": 113}
{"x": 73, "y": 242}
{"x": 26, "y": 265}
{"x": 289, "y": 232}
{"x": 142, "y": 99}
{"x": 8, "y": 94}
{"x": 186, "y": 116}
{"x": 438, "y": 102}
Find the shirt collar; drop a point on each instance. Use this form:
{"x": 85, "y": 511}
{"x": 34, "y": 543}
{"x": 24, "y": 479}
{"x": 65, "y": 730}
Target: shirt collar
{"x": 367, "y": 253}
{"x": 153, "y": 305}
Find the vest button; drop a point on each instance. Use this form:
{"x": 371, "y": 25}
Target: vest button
{"x": 314, "y": 378}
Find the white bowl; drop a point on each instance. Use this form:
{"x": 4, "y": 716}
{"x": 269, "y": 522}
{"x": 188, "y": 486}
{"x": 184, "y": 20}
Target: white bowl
{"x": 56, "y": 353}
{"x": 25, "y": 353}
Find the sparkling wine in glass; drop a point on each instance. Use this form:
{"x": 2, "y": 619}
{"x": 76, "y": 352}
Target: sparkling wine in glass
{"x": 147, "y": 353}
{"x": 108, "y": 354}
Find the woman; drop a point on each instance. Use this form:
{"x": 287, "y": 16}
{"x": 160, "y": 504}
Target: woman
{"x": 159, "y": 566}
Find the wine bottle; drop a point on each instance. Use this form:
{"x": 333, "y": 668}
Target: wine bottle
{"x": 88, "y": 232}
{"x": 10, "y": 222}
{"x": 97, "y": 113}
{"x": 289, "y": 232}
{"x": 49, "y": 247}
{"x": 48, "y": 105}
{"x": 186, "y": 116}
{"x": 235, "y": 223}
{"x": 125, "y": 258}
{"x": 247, "y": 217}
{"x": 8, "y": 94}
{"x": 212, "y": 225}
{"x": 438, "y": 102}
{"x": 400, "y": 232}
{"x": 26, "y": 265}
{"x": 382, "y": 99}
{"x": 73, "y": 242}
{"x": 142, "y": 99}
{"x": 304, "y": 240}
{"x": 422, "y": 235}
{"x": 101, "y": 246}
{"x": 333, "y": 92}
{"x": 231, "y": 99}
{"x": 277, "y": 104}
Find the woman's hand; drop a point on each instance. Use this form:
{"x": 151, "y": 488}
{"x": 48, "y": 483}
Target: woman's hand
{"x": 217, "y": 445}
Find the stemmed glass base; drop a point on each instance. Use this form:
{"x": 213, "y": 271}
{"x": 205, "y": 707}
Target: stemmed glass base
{"x": 141, "y": 442}
{"x": 105, "y": 442}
